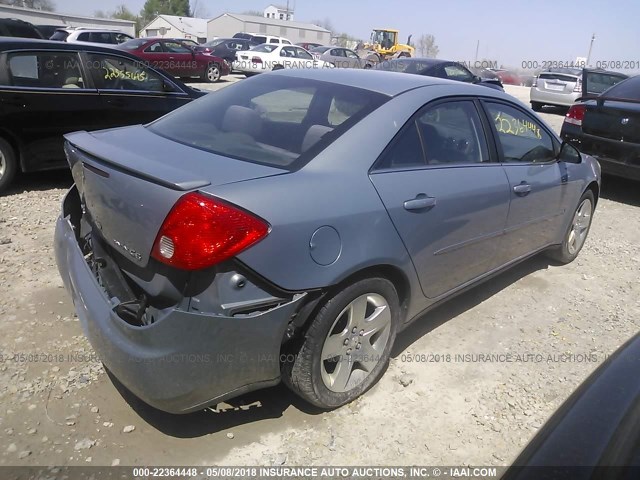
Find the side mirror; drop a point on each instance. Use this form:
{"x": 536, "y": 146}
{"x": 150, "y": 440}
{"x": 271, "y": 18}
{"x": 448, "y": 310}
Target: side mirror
{"x": 476, "y": 79}
{"x": 569, "y": 154}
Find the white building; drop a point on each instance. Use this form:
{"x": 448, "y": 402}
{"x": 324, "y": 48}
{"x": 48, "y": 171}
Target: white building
{"x": 278, "y": 12}
{"x": 172, "y": 26}
{"x": 41, "y": 17}
{"x": 228, "y": 24}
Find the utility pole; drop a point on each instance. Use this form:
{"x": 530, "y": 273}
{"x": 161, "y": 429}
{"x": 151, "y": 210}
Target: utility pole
{"x": 477, "y": 48}
{"x": 593, "y": 37}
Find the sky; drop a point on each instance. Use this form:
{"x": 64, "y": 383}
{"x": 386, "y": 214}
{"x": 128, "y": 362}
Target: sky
{"x": 509, "y": 31}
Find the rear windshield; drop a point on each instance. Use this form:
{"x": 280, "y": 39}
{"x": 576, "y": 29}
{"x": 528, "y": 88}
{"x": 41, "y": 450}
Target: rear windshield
{"x": 272, "y": 120}
{"x": 216, "y": 42}
{"x": 265, "y": 47}
{"x": 60, "y": 35}
{"x": 558, "y": 76}
{"x": 598, "y": 82}
{"x": 133, "y": 44}
{"x": 319, "y": 49}
{"x": 628, "y": 89}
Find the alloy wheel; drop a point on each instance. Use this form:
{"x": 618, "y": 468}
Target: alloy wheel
{"x": 213, "y": 73}
{"x": 580, "y": 226}
{"x": 355, "y": 342}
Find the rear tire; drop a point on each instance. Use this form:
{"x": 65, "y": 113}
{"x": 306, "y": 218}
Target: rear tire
{"x": 577, "y": 232}
{"x": 347, "y": 346}
{"x": 8, "y": 164}
{"x": 212, "y": 73}
{"x": 536, "y": 106}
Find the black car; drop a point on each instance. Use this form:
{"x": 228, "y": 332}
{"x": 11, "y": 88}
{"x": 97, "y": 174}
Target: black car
{"x": 12, "y": 27}
{"x": 48, "y": 89}
{"x": 608, "y": 127}
{"x": 226, "y": 47}
{"x": 595, "y": 434}
{"x": 432, "y": 67}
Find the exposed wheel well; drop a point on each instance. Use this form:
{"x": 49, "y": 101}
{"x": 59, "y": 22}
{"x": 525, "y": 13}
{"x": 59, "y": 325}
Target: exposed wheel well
{"x": 593, "y": 186}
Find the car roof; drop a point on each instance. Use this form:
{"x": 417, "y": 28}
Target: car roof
{"x": 425, "y": 61}
{"x": 387, "y": 83}
{"x": 15, "y": 43}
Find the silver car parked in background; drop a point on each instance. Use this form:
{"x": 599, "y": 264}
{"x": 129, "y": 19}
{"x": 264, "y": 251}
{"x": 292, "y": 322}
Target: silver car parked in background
{"x": 563, "y": 86}
{"x": 340, "y": 57}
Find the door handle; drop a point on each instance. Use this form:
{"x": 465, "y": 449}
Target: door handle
{"x": 522, "y": 190}
{"x": 421, "y": 202}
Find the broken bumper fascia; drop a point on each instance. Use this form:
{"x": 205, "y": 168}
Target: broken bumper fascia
{"x": 185, "y": 361}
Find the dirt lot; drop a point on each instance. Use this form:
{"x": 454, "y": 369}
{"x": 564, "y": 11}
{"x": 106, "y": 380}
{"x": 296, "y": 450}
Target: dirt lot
{"x": 436, "y": 405}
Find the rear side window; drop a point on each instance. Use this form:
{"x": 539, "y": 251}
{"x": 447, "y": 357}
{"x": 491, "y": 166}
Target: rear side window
{"x": 84, "y": 37}
{"x": 100, "y": 37}
{"x": 405, "y": 151}
{"x": 629, "y": 89}
{"x": 597, "y": 82}
{"x": 558, "y": 76}
{"x": 522, "y": 139}
{"x": 273, "y": 120}
{"x": 45, "y": 70}
{"x": 117, "y": 73}
{"x": 453, "y": 134}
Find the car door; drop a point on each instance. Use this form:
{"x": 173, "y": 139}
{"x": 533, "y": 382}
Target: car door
{"x": 338, "y": 58}
{"x": 179, "y": 59}
{"x": 43, "y": 95}
{"x": 288, "y": 57}
{"x": 154, "y": 55}
{"x": 305, "y": 59}
{"x": 444, "y": 193}
{"x": 353, "y": 60}
{"x": 130, "y": 92}
{"x": 528, "y": 153}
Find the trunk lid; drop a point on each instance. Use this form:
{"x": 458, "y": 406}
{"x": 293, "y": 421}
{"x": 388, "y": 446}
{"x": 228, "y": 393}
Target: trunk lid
{"x": 613, "y": 119}
{"x": 129, "y": 179}
{"x": 557, "y": 82}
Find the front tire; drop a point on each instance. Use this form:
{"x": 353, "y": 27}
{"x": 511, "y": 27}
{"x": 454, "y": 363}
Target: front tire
{"x": 8, "y": 164}
{"x": 577, "y": 232}
{"x": 212, "y": 74}
{"x": 347, "y": 346}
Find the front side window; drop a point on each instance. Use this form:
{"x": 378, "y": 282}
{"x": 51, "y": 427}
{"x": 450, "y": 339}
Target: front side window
{"x": 121, "y": 37}
{"x": 351, "y": 54}
{"x": 154, "y": 48}
{"x": 45, "y": 70}
{"x": 118, "y": 73}
{"x": 456, "y": 72}
{"x": 175, "y": 47}
{"x": 272, "y": 120}
{"x": 521, "y": 137}
{"x": 302, "y": 53}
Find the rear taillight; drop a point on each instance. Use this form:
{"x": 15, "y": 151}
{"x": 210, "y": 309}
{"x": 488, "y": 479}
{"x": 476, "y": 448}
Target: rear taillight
{"x": 578, "y": 87}
{"x": 575, "y": 115}
{"x": 256, "y": 60}
{"x": 201, "y": 231}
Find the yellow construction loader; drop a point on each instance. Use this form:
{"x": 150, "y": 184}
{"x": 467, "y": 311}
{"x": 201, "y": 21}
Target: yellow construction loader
{"x": 383, "y": 45}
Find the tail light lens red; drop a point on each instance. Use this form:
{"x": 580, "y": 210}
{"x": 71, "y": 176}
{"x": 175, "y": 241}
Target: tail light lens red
{"x": 256, "y": 60}
{"x": 201, "y": 231}
{"x": 575, "y": 115}
{"x": 578, "y": 87}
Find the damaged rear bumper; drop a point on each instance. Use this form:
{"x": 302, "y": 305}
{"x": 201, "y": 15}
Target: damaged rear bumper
{"x": 184, "y": 361}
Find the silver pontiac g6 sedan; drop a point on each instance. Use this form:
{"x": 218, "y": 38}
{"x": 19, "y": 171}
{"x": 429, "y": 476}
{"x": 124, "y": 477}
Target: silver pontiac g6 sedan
{"x": 289, "y": 226}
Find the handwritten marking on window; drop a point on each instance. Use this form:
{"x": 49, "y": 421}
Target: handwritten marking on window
{"x": 514, "y": 126}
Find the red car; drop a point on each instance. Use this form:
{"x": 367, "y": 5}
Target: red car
{"x": 177, "y": 58}
{"x": 507, "y": 77}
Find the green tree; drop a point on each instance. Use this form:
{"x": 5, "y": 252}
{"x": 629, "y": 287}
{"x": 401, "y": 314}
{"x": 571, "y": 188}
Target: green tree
{"x": 153, "y": 8}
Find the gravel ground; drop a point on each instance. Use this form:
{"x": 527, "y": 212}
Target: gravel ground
{"x": 446, "y": 398}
